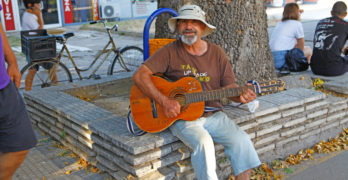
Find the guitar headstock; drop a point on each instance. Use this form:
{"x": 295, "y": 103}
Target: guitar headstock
{"x": 269, "y": 87}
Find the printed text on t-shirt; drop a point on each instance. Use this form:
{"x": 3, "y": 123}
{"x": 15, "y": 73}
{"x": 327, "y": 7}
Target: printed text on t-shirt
{"x": 201, "y": 76}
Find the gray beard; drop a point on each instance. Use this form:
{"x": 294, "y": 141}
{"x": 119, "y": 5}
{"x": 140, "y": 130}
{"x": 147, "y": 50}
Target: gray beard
{"x": 189, "y": 40}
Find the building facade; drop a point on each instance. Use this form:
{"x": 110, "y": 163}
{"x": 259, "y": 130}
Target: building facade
{"x": 58, "y": 13}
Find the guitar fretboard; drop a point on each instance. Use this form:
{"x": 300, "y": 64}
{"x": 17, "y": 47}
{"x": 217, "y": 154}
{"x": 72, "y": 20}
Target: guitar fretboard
{"x": 215, "y": 94}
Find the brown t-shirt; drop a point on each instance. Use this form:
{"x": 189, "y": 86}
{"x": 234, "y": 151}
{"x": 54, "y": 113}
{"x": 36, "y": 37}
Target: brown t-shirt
{"x": 212, "y": 68}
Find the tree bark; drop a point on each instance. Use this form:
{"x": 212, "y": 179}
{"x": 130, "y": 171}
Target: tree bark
{"x": 241, "y": 32}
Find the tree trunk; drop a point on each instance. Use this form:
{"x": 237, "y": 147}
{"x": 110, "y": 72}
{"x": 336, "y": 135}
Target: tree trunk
{"x": 241, "y": 32}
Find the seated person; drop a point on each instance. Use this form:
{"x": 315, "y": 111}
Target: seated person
{"x": 209, "y": 64}
{"x": 331, "y": 34}
{"x": 32, "y": 20}
{"x": 288, "y": 34}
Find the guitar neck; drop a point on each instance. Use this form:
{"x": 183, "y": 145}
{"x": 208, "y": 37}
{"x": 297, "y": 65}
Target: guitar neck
{"x": 215, "y": 94}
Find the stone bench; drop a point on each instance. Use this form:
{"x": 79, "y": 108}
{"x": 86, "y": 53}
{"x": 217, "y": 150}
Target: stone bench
{"x": 332, "y": 83}
{"x": 284, "y": 123}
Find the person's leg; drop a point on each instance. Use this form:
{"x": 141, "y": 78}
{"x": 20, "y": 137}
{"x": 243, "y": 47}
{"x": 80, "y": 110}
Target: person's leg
{"x": 30, "y": 77}
{"x": 198, "y": 139}
{"x": 345, "y": 59}
{"x": 345, "y": 50}
{"x": 16, "y": 132}
{"x": 246, "y": 175}
{"x": 280, "y": 62}
{"x": 53, "y": 75}
{"x": 279, "y": 59}
{"x": 238, "y": 146}
{"x": 10, "y": 162}
{"x": 52, "y": 71}
{"x": 308, "y": 53}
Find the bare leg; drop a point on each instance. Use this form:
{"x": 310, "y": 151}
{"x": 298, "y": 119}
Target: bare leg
{"x": 9, "y": 162}
{"x": 29, "y": 79}
{"x": 244, "y": 175}
{"x": 53, "y": 75}
{"x": 308, "y": 53}
{"x": 344, "y": 49}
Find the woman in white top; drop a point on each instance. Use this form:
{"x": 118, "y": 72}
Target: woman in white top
{"x": 288, "y": 34}
{"x": 32, "y": 17}
{"x": 32, "y": 20}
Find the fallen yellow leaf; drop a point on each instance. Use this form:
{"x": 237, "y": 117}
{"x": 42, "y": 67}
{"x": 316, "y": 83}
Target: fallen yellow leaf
{"x": 94, "y": 169}
{"x": 73, "y": 155}
{"x": 83, "y": 163}
{"x": 231, "y": 177}
{"x": 130, "y": 177}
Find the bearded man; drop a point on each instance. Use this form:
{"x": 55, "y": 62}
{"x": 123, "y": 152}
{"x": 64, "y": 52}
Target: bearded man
{"x": 192, "y": 56}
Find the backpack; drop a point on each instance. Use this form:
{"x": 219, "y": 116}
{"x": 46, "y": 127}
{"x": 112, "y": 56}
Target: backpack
{"x": 296, "y": 60}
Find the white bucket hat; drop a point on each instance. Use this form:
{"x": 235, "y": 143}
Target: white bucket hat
{"x": 191, "y": 12}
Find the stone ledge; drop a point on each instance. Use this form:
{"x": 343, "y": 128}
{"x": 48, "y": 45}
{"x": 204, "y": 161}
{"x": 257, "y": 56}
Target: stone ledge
{"x": 102, "y": 136}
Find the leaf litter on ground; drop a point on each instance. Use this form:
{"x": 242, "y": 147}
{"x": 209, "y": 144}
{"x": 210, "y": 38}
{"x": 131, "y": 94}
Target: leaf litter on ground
{"x": 273, "y": 170}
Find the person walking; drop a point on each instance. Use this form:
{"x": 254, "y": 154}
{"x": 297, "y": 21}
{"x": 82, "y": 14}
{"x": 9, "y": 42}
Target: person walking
{"x": 16, "y": 133}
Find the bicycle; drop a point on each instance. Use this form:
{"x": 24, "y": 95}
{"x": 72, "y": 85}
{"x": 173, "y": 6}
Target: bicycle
{"x": 129, "y": 58}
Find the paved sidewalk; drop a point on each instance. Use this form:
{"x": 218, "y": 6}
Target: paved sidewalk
{"x": 324, "y": 167}
{"x": 50, "y": 161}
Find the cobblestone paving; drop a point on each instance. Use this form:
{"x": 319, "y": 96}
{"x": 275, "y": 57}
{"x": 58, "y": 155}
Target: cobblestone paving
{"x": 47, "y": 161}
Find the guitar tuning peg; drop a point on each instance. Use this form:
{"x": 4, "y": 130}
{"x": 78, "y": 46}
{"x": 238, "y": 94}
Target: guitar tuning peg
{"x": 256, "y": 86}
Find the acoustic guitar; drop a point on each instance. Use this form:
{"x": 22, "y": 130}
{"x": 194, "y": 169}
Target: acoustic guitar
{"x": 148, "y": 115}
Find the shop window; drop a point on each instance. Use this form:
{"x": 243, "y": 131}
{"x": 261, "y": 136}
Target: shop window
{"x": 79, "y": 11}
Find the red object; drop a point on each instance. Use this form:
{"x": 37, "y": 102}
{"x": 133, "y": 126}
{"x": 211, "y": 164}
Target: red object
{"x": 68, "y": 15}
{"x": 95, "y": 10}
{"x": 8, "y": 15}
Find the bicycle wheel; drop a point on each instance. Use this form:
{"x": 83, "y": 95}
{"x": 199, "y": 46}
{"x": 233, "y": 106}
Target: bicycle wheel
{"x": 44, "y": 74}
{"x": 130, "y": 60}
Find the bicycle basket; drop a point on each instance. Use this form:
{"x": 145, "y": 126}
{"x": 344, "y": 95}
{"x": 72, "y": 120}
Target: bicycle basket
{"x": 38, "y": 45}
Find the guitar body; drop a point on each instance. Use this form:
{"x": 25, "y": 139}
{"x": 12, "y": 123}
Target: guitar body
{"x": 148, "y": 115}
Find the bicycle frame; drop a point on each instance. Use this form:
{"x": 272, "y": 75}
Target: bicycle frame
{"x": 106, "y": 50}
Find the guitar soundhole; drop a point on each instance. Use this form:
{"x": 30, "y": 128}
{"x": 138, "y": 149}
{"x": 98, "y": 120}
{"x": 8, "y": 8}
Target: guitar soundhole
{"x": 182, "y": 101}
{"x": 178, "y": 95}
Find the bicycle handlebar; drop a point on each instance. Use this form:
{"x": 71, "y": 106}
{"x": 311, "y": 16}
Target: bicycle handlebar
{"x": 115, "y": 27}
{"x": 104, "y": 21}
